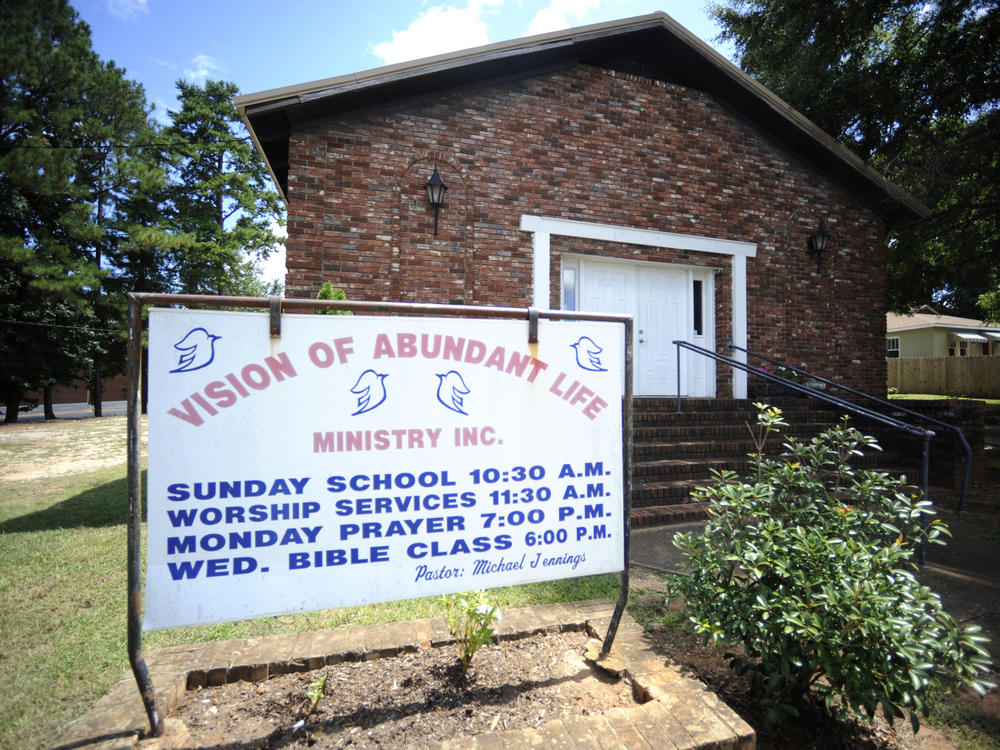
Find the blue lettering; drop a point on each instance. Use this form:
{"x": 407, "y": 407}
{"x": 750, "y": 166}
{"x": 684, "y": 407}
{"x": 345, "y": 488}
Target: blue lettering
{"x": 184, "y": 517}
{"x": 177, "y": 492}
{"x": 229, "y": 489}
{"x": 218, "y": 567}
{"x": 179, "y": 546}
{"x": 185, "y": 569}
{"x": 254, "y": 488}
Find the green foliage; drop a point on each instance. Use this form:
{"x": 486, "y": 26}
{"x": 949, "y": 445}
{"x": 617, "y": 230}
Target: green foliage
{"x": 97, "y": 200}
{"x": 989, "y": 306}
{"x": 327, "y": 291}
{"x": 470, "y": 617}
{"x": 315, "y": 692}
{"x": 225, "y": 203}
{"x": 809, "y": 565}
{"x": 914, "y": 89}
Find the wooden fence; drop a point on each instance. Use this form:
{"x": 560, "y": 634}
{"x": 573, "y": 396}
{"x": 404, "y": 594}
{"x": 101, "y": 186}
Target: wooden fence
{"x": 947, "y": 376}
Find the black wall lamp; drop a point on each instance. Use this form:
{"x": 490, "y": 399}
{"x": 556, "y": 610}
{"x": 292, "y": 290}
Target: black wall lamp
{"x": 817, "y": 243}
{"x": 435, "y": 188}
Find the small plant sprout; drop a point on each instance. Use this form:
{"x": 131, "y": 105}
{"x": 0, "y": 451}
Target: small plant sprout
{"x": 470, "y": 617}
{"x": 316, "y": 691}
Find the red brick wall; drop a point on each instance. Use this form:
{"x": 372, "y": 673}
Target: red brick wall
{"x": 78, "y": 392}
{"x": 592, "y": 145}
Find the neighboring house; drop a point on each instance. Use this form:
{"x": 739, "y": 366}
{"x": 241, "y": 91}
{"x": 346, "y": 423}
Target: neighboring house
{"x": 925, "y": 333}
{"x": 622, "y": 167}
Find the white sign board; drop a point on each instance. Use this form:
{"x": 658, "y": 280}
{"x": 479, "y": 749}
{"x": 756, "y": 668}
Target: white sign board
{"x": 360, "y": 459}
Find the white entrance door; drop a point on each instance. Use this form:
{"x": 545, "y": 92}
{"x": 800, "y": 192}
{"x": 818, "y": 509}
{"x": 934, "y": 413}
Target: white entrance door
{"x": 667, "y": 304}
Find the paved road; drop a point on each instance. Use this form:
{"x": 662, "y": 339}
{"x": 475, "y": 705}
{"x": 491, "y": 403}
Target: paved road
{"x": 69, "y": 411}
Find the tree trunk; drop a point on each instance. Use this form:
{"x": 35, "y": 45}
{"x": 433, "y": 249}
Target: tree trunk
{"x": 47, "y": 399}
{"x": 12, "y": 400}
{"x": 96, "y": 389}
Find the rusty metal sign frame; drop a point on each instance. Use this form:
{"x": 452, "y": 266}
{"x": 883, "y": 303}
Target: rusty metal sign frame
{"x": 275, "y": 306}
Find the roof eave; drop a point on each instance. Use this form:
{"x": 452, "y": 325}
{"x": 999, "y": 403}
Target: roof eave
{"x": 272, "y": 115}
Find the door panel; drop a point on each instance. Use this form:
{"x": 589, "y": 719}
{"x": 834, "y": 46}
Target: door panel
{"x": 608, "y": 287}
{"x": 660, "y": 319}
{"x": 660, "y": 299}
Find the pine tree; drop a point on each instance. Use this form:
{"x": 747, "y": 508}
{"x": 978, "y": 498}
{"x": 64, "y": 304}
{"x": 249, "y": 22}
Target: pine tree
{"x": 48, "y": 76}
{"x": 225, "y": 201}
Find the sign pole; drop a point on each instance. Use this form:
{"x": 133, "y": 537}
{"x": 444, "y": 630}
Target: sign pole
{"x": 627, "y": 440}
{"x": 136, "y": 657}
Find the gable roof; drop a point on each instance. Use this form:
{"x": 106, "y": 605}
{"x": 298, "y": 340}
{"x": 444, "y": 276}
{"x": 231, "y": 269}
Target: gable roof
{"x": 912, "y": 321}
{"x": 654, "y": 45}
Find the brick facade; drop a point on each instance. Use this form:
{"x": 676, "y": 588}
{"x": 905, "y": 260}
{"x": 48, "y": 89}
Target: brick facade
{"x": 589, "y": 144}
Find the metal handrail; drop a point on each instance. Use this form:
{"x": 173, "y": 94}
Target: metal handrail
{"x": 882, "y": 402}
{"x": 826, "y": 397}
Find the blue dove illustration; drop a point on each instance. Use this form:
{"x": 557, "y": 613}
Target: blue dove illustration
{"x": 451, "y": 388}
{"x": 370, "y": 390}
{"x": 587, "y": 352}
{"x": 197, "y": 350}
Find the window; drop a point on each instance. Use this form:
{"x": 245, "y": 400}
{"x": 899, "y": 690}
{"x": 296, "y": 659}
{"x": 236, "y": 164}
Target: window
{"x": 569, "y": 289}
{"x": 892, "y": 346}
{"x": 699, "y": 315}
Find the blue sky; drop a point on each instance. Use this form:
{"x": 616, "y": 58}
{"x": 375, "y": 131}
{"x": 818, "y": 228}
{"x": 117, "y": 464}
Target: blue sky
{"x": 262, "y": 45}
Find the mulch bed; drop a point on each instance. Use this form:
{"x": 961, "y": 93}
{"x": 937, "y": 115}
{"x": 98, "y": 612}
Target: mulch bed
{"x": 412, "y": 698}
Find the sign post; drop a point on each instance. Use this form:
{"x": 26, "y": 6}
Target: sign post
{"x": 325, "y": 461}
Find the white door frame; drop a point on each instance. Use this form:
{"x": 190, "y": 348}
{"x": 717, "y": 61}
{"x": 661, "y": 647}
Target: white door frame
{"x": 543, "y": 227}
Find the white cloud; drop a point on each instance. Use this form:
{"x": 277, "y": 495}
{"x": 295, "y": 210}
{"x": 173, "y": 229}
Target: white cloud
{"x": 561, "y": 14}
{"x": 160, "y": 107}
{"x": 204, "y": 66}
{"x": 439, "y": 29}
{"x": 127, "y": 8}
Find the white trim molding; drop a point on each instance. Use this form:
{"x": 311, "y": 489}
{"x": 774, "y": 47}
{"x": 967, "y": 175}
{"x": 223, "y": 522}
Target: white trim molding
{"x": 543, "y": 227}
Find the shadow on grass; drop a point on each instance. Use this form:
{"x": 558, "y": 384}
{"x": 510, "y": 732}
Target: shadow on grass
{"x": 104, "y": 505}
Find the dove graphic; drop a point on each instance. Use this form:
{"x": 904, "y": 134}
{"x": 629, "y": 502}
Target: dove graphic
{"x": 451, "y": 388}
{"x": 197, "y": 350}
{"x": 587, "y": 352}
{"x": 370, "y": 390}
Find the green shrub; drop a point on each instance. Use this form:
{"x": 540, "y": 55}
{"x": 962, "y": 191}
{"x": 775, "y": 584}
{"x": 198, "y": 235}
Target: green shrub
{"x": 327, "y": 291}
{"x": 809, "y": 565}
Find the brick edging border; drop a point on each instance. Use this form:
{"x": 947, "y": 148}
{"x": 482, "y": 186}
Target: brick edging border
{"x": 675, "y": 711}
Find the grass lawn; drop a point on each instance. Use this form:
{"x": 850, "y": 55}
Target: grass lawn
{"x": 990, "y": 402}
{"x": 63, "y": 580}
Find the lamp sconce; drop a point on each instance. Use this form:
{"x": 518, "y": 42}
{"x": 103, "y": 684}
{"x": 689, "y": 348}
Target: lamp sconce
{"x": 817, "y": 243}
{"x": 435, "y": 188}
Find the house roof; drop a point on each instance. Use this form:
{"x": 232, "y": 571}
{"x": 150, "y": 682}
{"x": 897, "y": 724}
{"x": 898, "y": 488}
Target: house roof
{"x": 913, "y": 321}
{"x": 653, "y": 45}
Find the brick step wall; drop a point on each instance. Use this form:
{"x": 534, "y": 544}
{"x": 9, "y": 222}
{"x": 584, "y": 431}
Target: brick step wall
{"x": 675, "y": 452}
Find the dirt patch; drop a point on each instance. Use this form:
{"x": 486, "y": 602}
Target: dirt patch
{"x": 37, "y": 450}
{"x": 414, "y": 698}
